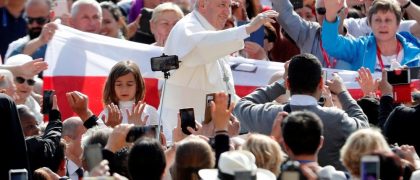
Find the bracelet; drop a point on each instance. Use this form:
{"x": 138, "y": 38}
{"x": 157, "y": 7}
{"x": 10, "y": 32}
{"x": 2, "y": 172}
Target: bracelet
{"x": 406, "y": 5}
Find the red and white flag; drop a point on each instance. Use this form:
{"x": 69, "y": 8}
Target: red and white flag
{"x": 82, "y": 61}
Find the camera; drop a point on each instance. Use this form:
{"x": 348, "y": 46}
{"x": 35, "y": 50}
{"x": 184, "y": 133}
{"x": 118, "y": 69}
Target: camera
{"x": 290, "y": 170}
{"x": 164, "y": 63}
{"x": 187, "y": 120}
{"x": 47, "y": 101}
{"x": 401, "y": 76}
{"x": 140, "y": 131}
{"x": 18, "y": 174}
{"x": 369, "y": 167}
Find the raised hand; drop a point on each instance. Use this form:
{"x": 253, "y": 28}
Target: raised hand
{"x": 260, "y": 20}
{"x": 366, "y": 82}
{"x": 114, "y": 115}
{"x": 79, "y": 104}
{"x": 254, "y": 51}
{"x": 384, "y": 86}
{"x": 134, "y": 116}
{"x": 332, "y": 7}
{"x": 276, "y": 132}
{"x": 219, "y": 112}
{"x": 336, "y": 84}
{"x": 32, "y": 68}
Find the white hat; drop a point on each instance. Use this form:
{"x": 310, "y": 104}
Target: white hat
{"x": 236, "y": 161}
{"x": 18, "y": 59}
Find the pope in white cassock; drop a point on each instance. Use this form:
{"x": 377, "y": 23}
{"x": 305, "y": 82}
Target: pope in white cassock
{"x": 203, "y": 49}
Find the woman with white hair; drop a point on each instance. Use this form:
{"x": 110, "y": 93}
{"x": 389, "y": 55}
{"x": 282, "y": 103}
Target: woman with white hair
{"x": 25, "y": 86}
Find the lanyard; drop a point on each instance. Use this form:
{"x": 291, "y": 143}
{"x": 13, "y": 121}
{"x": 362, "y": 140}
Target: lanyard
{"x": 378, "y": 54}
{"x": 327, "y": 60}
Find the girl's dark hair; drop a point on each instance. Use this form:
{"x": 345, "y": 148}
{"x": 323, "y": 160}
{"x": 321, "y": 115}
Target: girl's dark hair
{"x": 120, "y": 69}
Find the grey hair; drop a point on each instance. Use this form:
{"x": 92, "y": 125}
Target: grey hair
{"x": 8, "y": 76}
{"x": 70, "y": 125}
{"x": 76, "y": 6}
{"x": 30, "y": 2}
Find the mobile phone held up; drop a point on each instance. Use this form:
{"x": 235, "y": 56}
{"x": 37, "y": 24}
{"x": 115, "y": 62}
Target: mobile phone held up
{"x": 207, "y": 111}
{"x": 18, "y": 174}
{"x": 369, "y": 167}
{"x": 401, "y": 76}
{"x": 47, "y": 101}
{"x": 187, "y": 119}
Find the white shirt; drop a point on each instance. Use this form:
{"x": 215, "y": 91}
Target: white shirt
{"x": 204, "y": 68}
{"x": 303, "y": 100}
{"x": 71, "y": 170}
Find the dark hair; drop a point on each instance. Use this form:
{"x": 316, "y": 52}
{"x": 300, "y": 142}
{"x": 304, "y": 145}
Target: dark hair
{"x": 390, "y": 165}
{"x": 115, "y": 11}
{"x": 146, "y": 159}
{"x": 370, "y": 107}
{"x": 385, "y": 6}
{"x": 302, "y": 132}
{"x": 304, "y": 74}
{"x": 120, "y": 69}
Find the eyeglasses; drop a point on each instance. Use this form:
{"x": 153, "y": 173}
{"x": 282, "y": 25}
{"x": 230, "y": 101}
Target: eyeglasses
{"x": 38, "y": 20}
{"x": 22, "y": 80}
{"x": 321, "y": 10}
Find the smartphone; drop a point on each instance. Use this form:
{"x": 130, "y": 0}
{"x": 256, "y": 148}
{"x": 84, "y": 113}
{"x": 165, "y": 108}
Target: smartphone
{"x": 207, "y": 111}
{"x": 187, "y": 119}
{"x": 396, "y": 77}
{"x": 93, "y": 155}
{"x": 60, "y": 8}
{"x": 18, "y": 174}
{"x": 369, "y": 167}
{"x": 297, "y": 4}
{"x": 47, "y": 101}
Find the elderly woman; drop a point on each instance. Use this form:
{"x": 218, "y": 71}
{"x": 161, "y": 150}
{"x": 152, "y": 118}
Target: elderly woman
{"x": 378, "y": 50}
{"x": 360, "y": 143}
{"x": 164, "y": 17}
{"x": 25, "y": 86}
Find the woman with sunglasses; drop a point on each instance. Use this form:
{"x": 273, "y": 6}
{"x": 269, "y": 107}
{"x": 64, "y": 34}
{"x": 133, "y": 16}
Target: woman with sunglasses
{"x": 378, "y": 50}
{"x": 25, "y": 86}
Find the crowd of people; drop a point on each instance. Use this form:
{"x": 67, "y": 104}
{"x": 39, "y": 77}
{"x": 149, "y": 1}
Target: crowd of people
{"x": 301, "y": 125}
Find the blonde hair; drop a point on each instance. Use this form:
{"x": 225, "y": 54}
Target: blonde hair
{"x": 168, "y": 6}
{"x": 360, "y": 143}
{"x": 267, "y": 152}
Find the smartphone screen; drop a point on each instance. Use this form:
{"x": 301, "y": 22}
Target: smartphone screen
{"x": 398, "y": 77}
{"x": 18, "y": 174}
{"x": 93, "y": 155}
{"x": 370, "y": 168}
{"x": 47, "y": 101}
{"x": 187, "y": 119}
{"x": 60, "y": 8}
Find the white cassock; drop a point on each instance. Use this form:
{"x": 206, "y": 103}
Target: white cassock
{"x": 204, "y": 69}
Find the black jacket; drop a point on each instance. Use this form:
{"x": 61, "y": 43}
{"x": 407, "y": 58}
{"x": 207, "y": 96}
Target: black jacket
{"x": 14, "y": 147}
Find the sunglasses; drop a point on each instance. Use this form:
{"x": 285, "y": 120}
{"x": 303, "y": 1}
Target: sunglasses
{"x": 38, "y": 20}
{"x": 321, "y": 10}
{"x": 22, "y": 80}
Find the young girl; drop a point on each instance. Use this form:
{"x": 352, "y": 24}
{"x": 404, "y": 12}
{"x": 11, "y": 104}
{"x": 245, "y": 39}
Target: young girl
{"x": 125, "y": 87}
